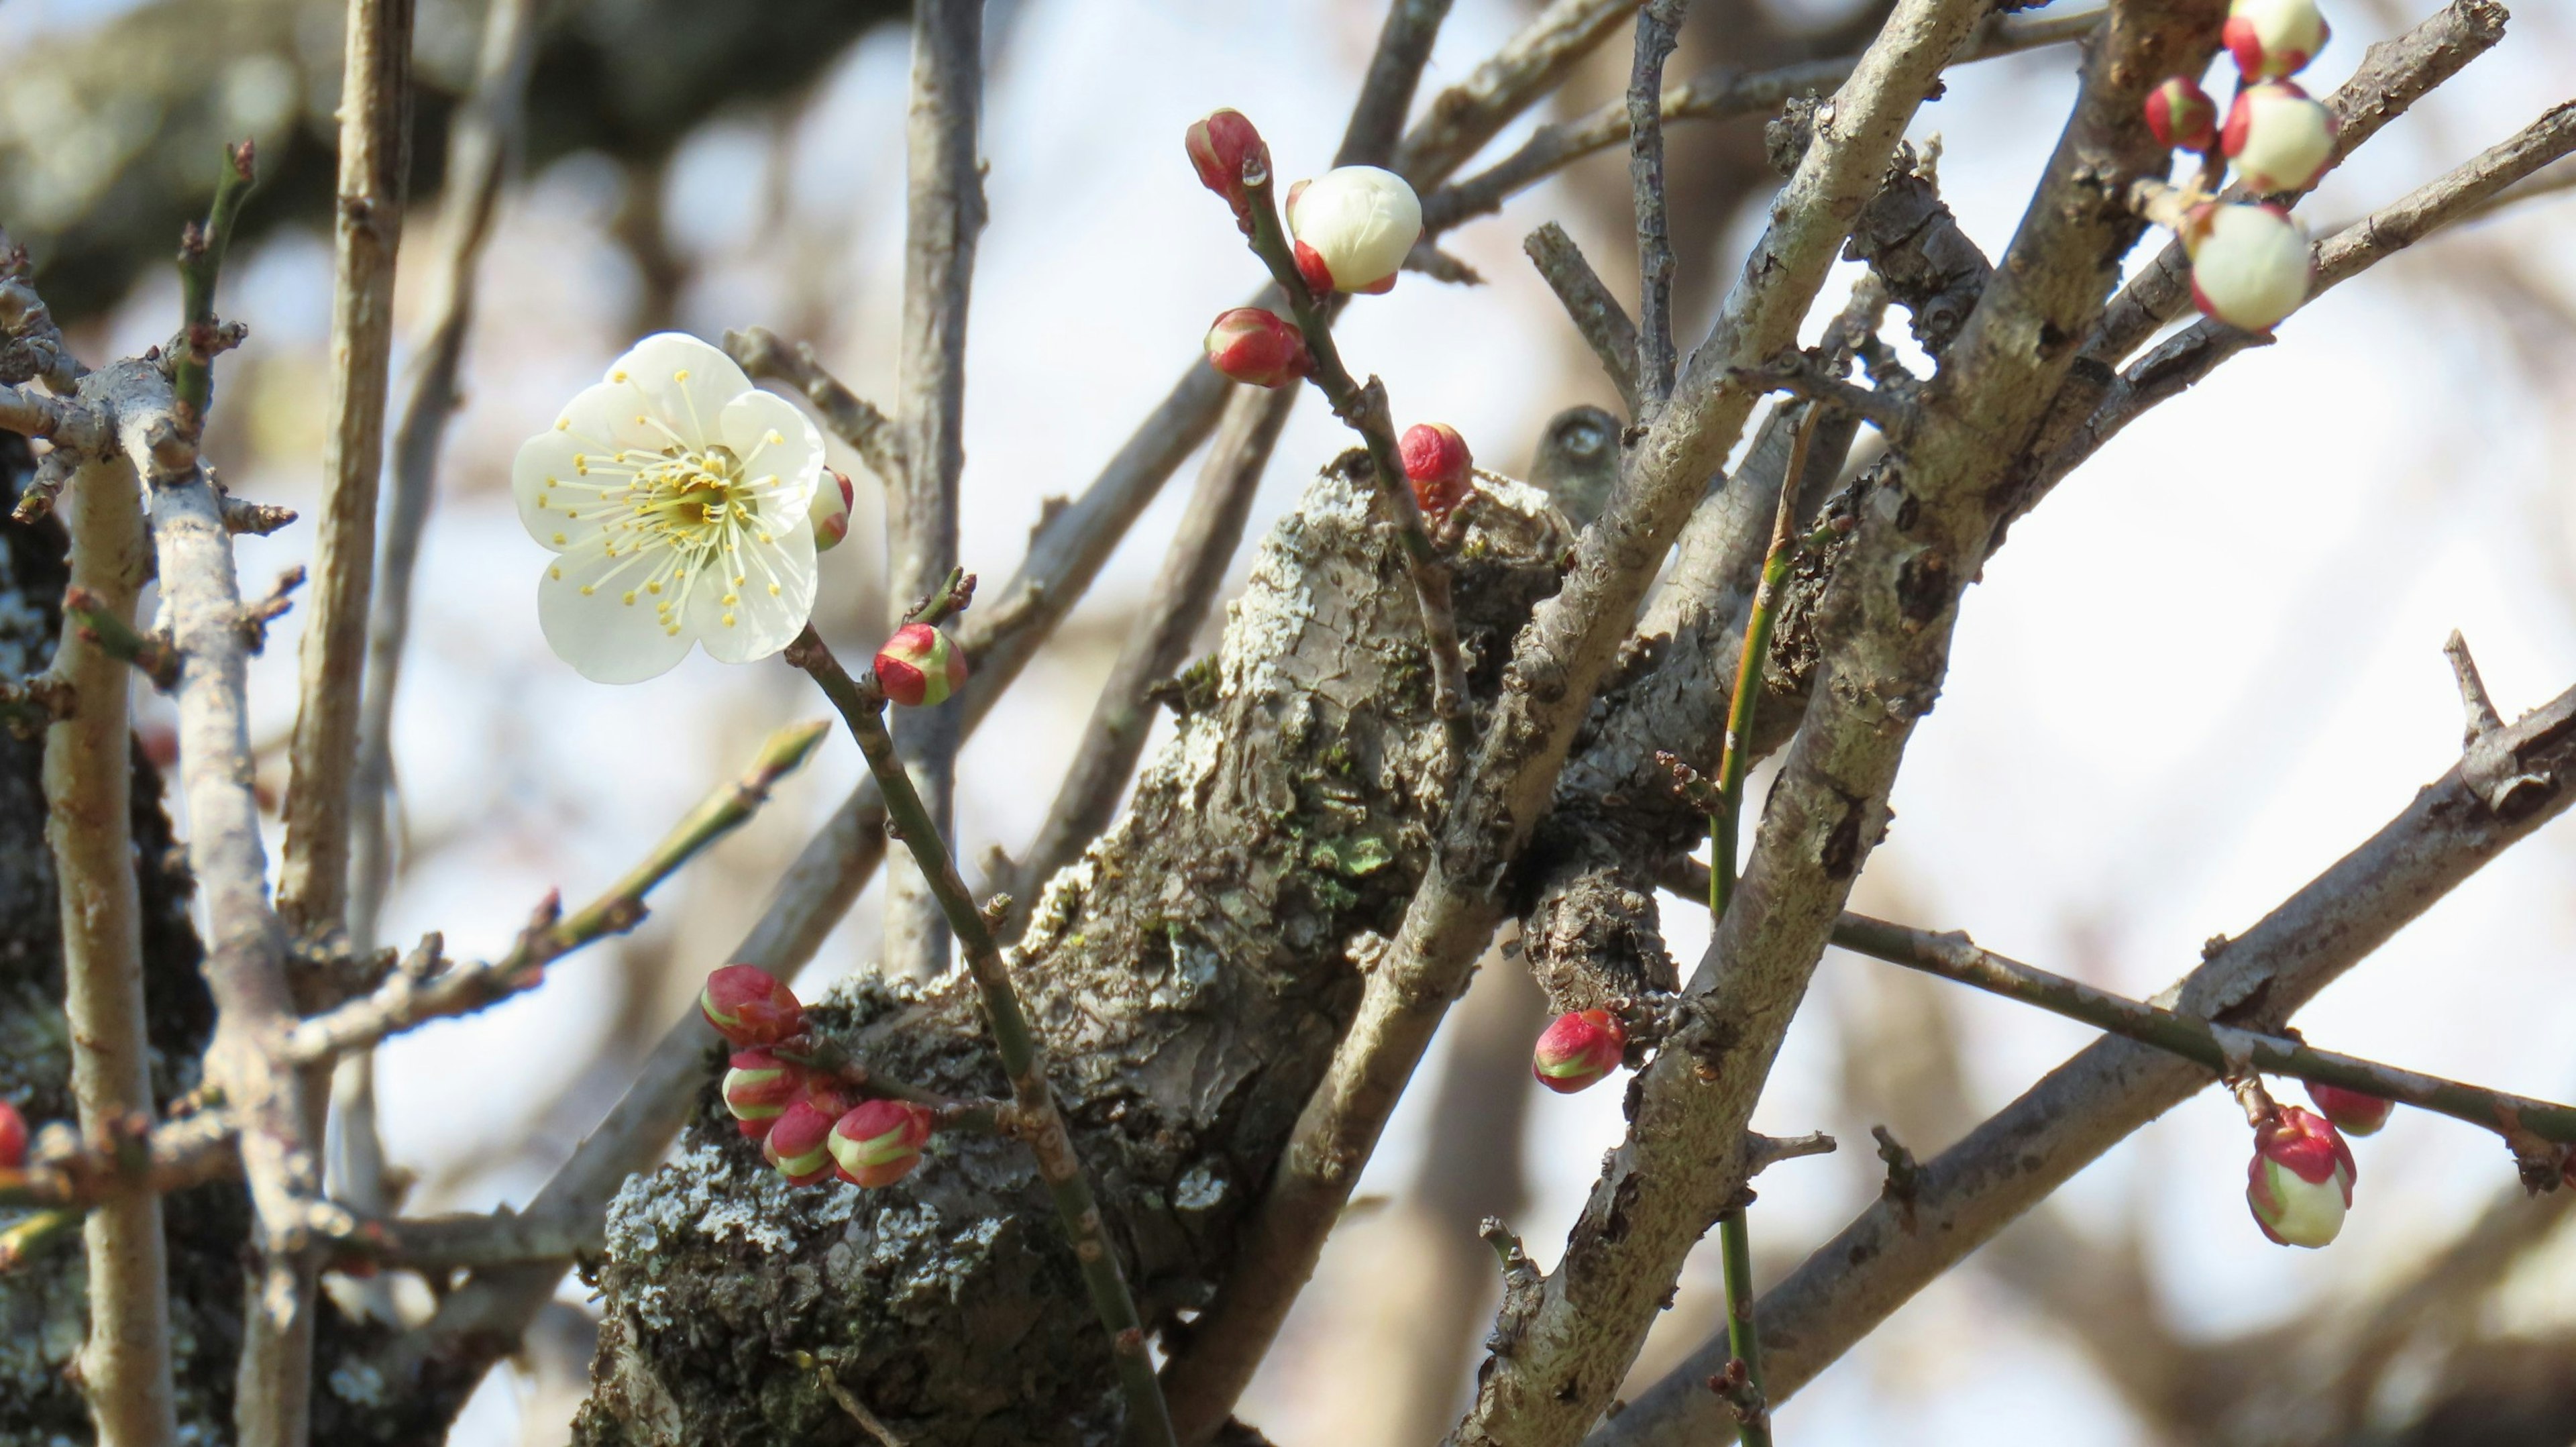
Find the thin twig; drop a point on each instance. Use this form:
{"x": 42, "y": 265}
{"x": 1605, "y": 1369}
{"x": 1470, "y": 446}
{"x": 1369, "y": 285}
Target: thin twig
{"x": 1659, "y": 24}
{"x": 858, "y": 1411}
{"x": 850, "y": 417}
{"x": 1386, "y": 93}
{"x": 133, "y": 1155}
{"x": 1597, "y": 315}
{"x": 1023, "y": 1058}
{"x": 201, "y": 259}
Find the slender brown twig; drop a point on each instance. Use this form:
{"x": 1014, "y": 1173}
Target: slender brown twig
{"x": 1597, "y": 315}
{"x": 1659, "y": 25}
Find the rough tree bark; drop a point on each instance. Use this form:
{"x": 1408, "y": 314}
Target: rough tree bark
{"x": 1191, "y": 974}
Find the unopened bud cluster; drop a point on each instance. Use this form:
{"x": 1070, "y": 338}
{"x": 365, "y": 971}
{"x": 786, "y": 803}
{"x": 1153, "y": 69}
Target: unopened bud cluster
{"x": 2249, "y": 260}
{"x": 807, "y": 1128}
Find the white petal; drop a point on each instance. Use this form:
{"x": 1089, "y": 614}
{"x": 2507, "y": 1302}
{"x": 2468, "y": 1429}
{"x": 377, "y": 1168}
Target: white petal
{"x": 760, "y": 607}
{"x": 552, "y": 514}
{"x": 683, "y": 381}
{"x": 773, "y": 439}
{"x": 602, "y": 634}
{"x": 606, "y": 416}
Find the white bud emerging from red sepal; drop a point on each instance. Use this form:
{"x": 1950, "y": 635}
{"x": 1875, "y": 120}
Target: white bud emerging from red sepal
{"x": 2182, "y": 115}
{"x": 2279, "y": 139}
{"x": 749, "y": 1007}
{"x": 2249, "y": 263}
{"x": 920, "y": 666}
{"x": 758, "y": 1088}
{"x": 1219, "y": 146}
{"x": 1353, "y": 226}
{"x": 2352, "y": 1112}
{"x": 880, "y": 1142}
{"x": 2300, "y": 1180}
{"x": 1252, "y": 345}
{"x": 1438, "y": 465}
{"x": 13, "y": 1137}
{"x": 2274, "y": 38}
{"x": 1581, "y": 1047}
{"x": 830, "y": 509}
{"x": 799, "y": 1142}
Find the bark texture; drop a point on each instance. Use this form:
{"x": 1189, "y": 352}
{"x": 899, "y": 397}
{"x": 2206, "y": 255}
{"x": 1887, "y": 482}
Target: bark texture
{"x": 1191, "y": 975}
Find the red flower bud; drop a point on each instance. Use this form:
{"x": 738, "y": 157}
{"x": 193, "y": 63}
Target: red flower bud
{"x": 13, "y": 1137}
{"x": 2352, "y": 1112}
{"x": 1581, "y": 1047}
{"x": 758, "y": 1089}
{"x": 1251, "y": 345}
{"x": 799, "y": 1140}
{"x": 920, "y": 666}
{"x": 1219, "y": 146}
{"x": 1438, "y": 465}
{"x": 880, "y": 1142}
{"x": 830, "y": 509}
{"x": 749, "y": 1007}
{"x": 2182, "y": 115}
{"x": 2279, "y": 139}
{"x": 2272, "y": 38}
{"x": 2299, "y": 1182}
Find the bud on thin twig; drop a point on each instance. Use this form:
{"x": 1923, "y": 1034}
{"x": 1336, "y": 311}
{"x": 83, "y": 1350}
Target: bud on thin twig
{"x": 2299, "y": 1182}
{"x": 880, "y": 1142}
{"x": 758, "y": 1088}
{"x": 1353, "y": 226}
{"x": 830, "y": 509}
{"x": 2352, "y": 1112}
{"x": 1250, "y": 344}
{"x": 2182, "y": 115}
{"x": 920, "y": 666}
{"x": 1438, "y": 465}
{"x": 1580, "y": 1047}
{"x": 2279, "y": 139}
{"x": 2249, "y": 264}
{"x": 749, "y": 1007}
{"x": 1219, "y": 146}
{"x": 2273, "y": 38}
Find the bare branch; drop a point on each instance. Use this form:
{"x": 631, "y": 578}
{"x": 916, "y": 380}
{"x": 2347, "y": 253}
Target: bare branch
{"x": 852, "y": 418}
{"x": 1386, "y": 93}
{"x": 1597, "y": 315}
{"x": 1659, "y": 25}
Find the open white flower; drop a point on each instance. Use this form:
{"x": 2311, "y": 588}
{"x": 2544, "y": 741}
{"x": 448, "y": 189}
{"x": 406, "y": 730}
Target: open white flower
{"x": 675, "y": 495}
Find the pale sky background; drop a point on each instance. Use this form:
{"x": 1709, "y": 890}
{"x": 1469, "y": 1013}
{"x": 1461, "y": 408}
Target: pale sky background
{"x": 2208, "y": 666}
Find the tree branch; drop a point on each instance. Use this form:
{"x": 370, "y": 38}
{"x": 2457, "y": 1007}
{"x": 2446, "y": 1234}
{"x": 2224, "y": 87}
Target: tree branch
{"x": 852, "y": 418}
{"x": 1597, "y": 315}
{"x": 1659, "y": 25}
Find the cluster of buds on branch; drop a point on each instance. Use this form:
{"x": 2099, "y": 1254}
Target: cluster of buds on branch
{"x": 2249, "y": 260}
{"x": 806, "y": 1128}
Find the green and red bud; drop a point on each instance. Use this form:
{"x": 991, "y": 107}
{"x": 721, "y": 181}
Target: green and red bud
{"x": 2274, "y": 38}
{"x": 2249, "y": 263}
{"x": 879, "y": 1142}
{"x": 758, "y": 1088}
{"x": 2299, "y": 1182}
{"x": 1580, "y": 1047}
{"x": 799, "y": 1141}
{"x": 2182, "y": 115}
{"x": 13, "y": 1137}
{"x": 749, "y": 1007}
{"x": 1219, "y": 148}
{"x": 920, "y": 666}
{"x": 1353, "y": 226}
{"x": 830, "y": 509}
{"x": 1437, "y": 463}
{"x": 1252, "y": 345}
{"x": 2279, "y": 139}
{"x": 2352, "y": 1112}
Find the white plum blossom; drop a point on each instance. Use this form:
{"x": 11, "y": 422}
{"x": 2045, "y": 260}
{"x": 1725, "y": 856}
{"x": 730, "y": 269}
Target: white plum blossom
{"x": 674, "y": 495}
{"x": 1353, "y": 226}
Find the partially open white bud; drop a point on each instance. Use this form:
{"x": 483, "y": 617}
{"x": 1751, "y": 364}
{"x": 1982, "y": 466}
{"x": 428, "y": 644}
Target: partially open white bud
{"x": 2271, "y": 38}
{"x": 2249, "y": 264}
{"x": 2279, "y": 139}
{"x": 1353, "y": 226}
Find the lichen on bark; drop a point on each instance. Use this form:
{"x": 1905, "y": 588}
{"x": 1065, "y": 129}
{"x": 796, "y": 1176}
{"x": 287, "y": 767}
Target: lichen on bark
{"x": 1190, "y": 975}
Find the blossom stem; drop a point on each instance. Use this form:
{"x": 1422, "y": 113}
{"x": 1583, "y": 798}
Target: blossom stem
{"x": 1364, "y": 410}
{"x": 862, "y": 705}
{"x": 1753, "y": 1422}
{"x": 201, "y": 258}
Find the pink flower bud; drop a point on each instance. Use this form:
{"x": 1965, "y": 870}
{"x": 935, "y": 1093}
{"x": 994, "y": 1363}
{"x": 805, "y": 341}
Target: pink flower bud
{"x": 2249, "y": 264}
{"x": 920, "y": 666}
{"x": 749, "y": 1007}
{"x": 799, "y": 1140}
{"x": 1581, "y": 1047}
{"x": 2352, "y": 1112}
{"x": 2279, "y": 139}
{"x": 1219, "y": 146}
{"x": 2299, "y": 1182}
{"x": 1438, "y": 465}
{"x": 2272, "y": 38}
{"x": 2182, "y": 115}
{"x": 830, "y": 509}
{"x": 879, "y": 1143}
{"x": 13, "y": 1137}
{"x": 1251, "y": 345}
{"x": 1353, "y": 226}
{"x": 759, "y": 1087}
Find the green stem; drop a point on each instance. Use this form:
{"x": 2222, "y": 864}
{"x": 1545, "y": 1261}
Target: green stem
{"x": 201, "y": 258}
{"x": 1753, "y": 1428}
{"x": 113, "y": 636}
{"x": 26, "y": 1236}
{"x": 1363, "y": 408}
{"x": 862, "y": 706}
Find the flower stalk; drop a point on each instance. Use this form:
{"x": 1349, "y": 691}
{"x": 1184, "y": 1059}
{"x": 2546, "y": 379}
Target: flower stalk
{"x": 862, "y": 705}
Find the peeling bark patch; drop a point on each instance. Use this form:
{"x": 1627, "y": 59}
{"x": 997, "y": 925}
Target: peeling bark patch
{"x": 1923, "y": 587}
{"x": 1841, "y": 857}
